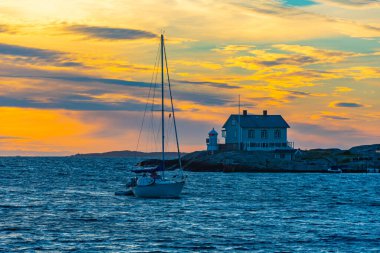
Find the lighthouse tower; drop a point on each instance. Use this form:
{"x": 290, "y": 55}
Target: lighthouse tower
{"x": 212, "y": 140}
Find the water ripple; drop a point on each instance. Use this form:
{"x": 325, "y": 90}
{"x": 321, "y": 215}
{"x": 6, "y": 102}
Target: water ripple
{"x": 68, "y": 204}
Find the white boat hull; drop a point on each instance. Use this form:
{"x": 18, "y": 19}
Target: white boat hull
{"x": 170, "y": 189}
{"x": 334, "y": 171}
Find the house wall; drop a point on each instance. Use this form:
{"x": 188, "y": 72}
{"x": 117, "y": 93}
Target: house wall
{"x": 270, "y": 137}
{"x": 270, "y": 142}
{"x": 256, "y": 142}
{"x": 232, "y": 131}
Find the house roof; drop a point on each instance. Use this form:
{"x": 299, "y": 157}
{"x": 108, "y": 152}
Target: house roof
{"x": 259, "y": 121}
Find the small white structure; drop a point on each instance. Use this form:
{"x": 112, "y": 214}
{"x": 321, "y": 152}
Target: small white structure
{"x": 212, "y": 140}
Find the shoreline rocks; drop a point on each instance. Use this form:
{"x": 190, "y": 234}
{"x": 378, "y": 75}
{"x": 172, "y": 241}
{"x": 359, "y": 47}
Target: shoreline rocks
{"x": 355, "y": 160}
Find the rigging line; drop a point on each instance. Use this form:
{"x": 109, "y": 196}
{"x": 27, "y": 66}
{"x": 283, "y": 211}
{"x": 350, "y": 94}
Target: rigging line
{"x": 171, "y": 101}
{"x": 169, "y": 133}
{"x": 147, "y": 102}
{"x": 155, "y": 135}
{"x": 168, "y": 130}
{"x": 154, "y": 69}
{"x": 155, "y": 130}
{"x": 155, "y": 74}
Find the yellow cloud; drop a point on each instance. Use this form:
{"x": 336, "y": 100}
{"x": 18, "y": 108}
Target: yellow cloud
{"x": 232, "y": 49}
{"x": 203, "y": 64}
{"x": 342, "y": 89}
{"x": 331, "y": 116}
{"x": 319, "y": 55}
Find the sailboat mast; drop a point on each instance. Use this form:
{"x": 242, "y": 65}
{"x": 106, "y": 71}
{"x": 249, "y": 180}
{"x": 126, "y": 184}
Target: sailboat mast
{"x": 162, "y": 103}
{"x": 171, "y": 101}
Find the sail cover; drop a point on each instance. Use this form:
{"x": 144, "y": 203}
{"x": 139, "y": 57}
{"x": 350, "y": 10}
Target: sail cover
{"x": 149, "y": 170}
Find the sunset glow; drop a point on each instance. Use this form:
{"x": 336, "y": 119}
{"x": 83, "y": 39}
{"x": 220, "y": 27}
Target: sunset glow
{"x": 75, "y": 74}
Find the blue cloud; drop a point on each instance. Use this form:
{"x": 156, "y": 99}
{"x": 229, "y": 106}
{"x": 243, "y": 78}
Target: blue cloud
{"x": 298, "y": 2}
{"x": 198, "y": 97}
{"x": 212, "y": 84}
{"x": 334, "y": 117}
{"x": 37, "y": 55}
{"x": 72, "y": 102}
{"x": 110, "y": 33}
{"x": 88, "y": 79}
{"x": 348, "y": 104}
{"x": 202, "y": 98}
{"x": 14, "y": 50}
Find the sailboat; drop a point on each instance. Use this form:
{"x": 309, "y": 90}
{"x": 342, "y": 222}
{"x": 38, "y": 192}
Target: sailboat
{"x": 153, "y": 182}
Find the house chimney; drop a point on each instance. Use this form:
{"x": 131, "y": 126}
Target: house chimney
{"x": 265, "y": 112}
{"x": 245, "y": 112}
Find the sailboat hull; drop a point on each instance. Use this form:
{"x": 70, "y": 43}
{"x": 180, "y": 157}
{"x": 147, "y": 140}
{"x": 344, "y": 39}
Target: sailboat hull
{"x": 170, "y": 189}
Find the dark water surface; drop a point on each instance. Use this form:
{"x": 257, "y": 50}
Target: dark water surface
{"x": 68, "y": 204}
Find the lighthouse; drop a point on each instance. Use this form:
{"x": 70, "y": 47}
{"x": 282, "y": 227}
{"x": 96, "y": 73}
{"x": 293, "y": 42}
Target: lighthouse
{"x": 212, "y": 140}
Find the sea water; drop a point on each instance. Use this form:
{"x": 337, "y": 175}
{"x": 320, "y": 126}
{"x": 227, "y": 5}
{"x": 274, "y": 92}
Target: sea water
{"x": 68, "y": 204}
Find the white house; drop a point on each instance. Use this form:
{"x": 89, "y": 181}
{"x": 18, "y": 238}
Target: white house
{"x": 256, "y": 132}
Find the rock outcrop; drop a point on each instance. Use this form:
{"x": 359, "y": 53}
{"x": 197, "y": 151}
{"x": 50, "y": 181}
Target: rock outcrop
{"x": 356, "y": 159}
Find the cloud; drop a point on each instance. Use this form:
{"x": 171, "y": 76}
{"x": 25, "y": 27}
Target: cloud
{"x": 72, "y": 102}
{"x": 232, "y": 49}
{"x": 342, "y": 89}
{"x": 70, "y": 97}
{"x": 315, "y": 129}
{"x": 323, "y": 18}
{"x": 14, "y": 50}
{"x": 316, "y": 55}
{"x": 331, "y": 116}
{"x": 203, "y": 64}
{"x": 37, "y": 55}
{"x": 115, "y": 124}
{"x": 352, "y": 3}
{"x": 299, "y": 3}
{"x": 309, "y": 135}
{"x": 109, "y": 33}
{"x": 297, "y": 55}
{"x": 269, "y": 7}
{"x": 211, "y": 84}
{"x": 346, "y": 104}
{"x": 203, "y": 98}
{"x": 89, "y": 79}
{"x": 29, "y": 73}
{"x": 334, "y": 117}
{"x": 10, "y": 138}
{"x": 9, "y": 29}
{"x": 4, "y": 28}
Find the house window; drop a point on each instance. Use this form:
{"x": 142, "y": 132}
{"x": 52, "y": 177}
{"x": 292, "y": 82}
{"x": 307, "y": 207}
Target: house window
{"x": 224, "y": 133}
{"x": 251, "y": 134}
{"x": 233, "y": 122}
{"x": 277, "y": 134}
{"x": 264, "y": 134}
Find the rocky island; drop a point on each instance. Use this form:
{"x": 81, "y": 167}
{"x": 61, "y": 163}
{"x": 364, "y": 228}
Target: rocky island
{"x": 354, "y": 160}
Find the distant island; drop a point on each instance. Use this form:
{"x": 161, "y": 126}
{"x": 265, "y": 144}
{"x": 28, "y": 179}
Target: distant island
{"x": 128, "y": 154}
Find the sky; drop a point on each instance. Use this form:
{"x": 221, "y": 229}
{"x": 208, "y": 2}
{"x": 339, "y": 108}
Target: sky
{"x": 75, "y": 74}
